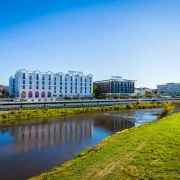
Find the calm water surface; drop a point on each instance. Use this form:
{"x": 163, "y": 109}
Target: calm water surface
{"x": 28, "y": 150}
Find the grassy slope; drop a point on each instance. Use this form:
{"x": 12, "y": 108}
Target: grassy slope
{"x": 151, "y": 151}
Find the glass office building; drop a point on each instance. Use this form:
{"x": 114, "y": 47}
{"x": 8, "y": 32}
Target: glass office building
{"x": 116, "y": 86}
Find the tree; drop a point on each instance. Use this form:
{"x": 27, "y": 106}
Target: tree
{"x": 3, "y": 93}
{"x": 68, "y": 97}
{"x": 107, "y": 95}
{"x": 62, "y": 96}
{"x": 149, "y": 94}
{"x": 96, "y": 91}
{"x": 138, "y": 95}
{"x": 78, "y": 95}
{"x": 7, "y": 94}
{"x": 23, "y": 95}
{"x": 118, "y": 96}
{"x": 167, "y": 108}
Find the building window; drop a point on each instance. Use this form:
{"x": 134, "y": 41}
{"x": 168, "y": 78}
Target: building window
{"x": 76, "y": 80}
{"x": 54, "y": 91}
{"x": 49, "y": 77}
{"x": 54, "y": 87}
{"x": 54, "y": 83}
{"x": 90, "y": 92}
{"x": 65, "y": 83}
{"x": 85, "y": 88}
{"x": 71, "y": 92}
{"x": 24, "y": 75}
{"x": 49, "y": 94}
{"x": 37, "y": 76}
{"x": 37, "y": 82}
{"x": 66, "y": 92}
{"x": 37, "y": 87}
{"x": 61, "y": 87}
{"x": 23, "y": 86}
{"x": 43, "y": 78}
{"x": 49, "y": 82}
{"x": 43, "y": 94}
{"x": 65, "y": 79}
{"x": 36, "y": 94}
{"x": 85, "y": 92}
{"x": 81, "y": 79}
{"x": 60, "y": 78}
{"x": 30, "y": 86}
{"x": 71, "y": 78}
{"x": 43, "y": 87}
{"x": 54, "y": 78}
{"x": 66, "y": 87}
{"x": 61, "y": 83}
{"x": 30, "y": 94}
{"x": 43, "y": 82}
{"x": 30, "y": 82}
{"x": 85, "y": 80}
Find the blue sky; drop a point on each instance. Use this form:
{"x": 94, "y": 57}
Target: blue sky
{"x": 136, "y": 39}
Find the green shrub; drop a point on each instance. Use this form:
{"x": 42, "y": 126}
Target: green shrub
{"x": 47, "y": 113}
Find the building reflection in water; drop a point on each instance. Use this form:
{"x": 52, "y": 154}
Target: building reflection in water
{"x": 42, "y": 135}
{"x": 113, "y": 124}
{"x": 38, "y": 136}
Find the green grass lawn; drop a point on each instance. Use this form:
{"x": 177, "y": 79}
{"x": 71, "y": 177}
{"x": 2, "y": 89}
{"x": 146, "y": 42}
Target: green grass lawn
{"x": 151, "y": 151}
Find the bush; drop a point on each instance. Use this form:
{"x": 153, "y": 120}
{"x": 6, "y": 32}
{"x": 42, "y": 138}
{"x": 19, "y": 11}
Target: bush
{"x": 49, "y": 113}
{"x": 167, "y": 108}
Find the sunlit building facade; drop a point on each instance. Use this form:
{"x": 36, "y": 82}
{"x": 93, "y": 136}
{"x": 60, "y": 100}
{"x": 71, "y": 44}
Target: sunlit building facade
{"x": 169, "y": 89}
{"x": 43, "y": 85}
{"x": 116, "y": 86}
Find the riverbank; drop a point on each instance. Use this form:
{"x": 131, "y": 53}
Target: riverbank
{"x": 23, "y": 116}
{"x": 4, "y": 112}
{"x": 150, "y": 151}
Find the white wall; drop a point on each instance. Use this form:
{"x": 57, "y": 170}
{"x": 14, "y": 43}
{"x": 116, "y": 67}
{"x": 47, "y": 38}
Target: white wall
{"x": 56, "y": 86}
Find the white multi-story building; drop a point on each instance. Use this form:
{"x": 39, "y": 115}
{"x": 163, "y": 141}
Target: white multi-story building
{"x": 43, "y": 85}
{"x": 142, "y": 91}
{"x": 169, "y": 89}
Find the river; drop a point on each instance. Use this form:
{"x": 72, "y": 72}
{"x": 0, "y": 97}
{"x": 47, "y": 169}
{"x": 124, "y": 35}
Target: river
{"x": 28, "y": 150}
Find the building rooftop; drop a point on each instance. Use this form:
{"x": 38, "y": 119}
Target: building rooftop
{"x": 169, "y": 84}
{"x": 120, "y": 80}
{"x": 73, "y": 73}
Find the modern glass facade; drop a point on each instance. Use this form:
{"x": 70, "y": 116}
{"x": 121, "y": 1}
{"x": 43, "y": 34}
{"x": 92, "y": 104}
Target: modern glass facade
{"x": 122, "y": 87}
{"x": 116, "y": 86}
{"x": 169, "y": 89}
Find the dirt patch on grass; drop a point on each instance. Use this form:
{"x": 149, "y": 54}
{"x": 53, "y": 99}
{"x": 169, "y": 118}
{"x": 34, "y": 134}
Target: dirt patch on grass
{"x": 4, "y": 112}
